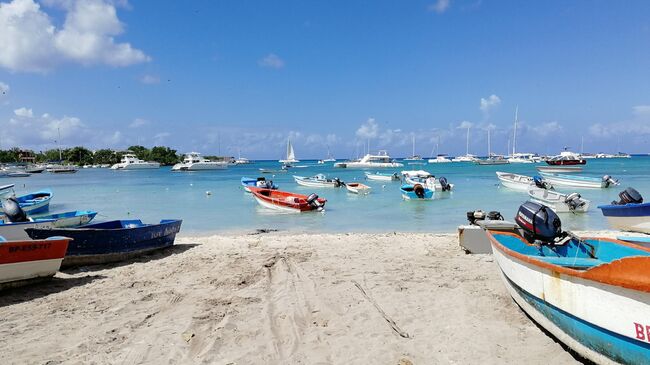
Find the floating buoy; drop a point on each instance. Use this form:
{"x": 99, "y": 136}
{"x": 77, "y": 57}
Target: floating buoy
{"x": 383, "y": 186}
{"x": 208, "y": 192}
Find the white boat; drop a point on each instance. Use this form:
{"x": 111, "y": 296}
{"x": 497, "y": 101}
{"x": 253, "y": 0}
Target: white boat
{"x": 467, "y": 157}
{"x": 378, "y": 176}
{"x": 290, "y": 156}
{"x": 16, "y": 231}
{"x": 380, "y": 160}
{"x": 193, "y": 161}
{"x": 318, "y": 181}
{"x": 440, "y": 159}
{"x": 559, "y": 169}
{"x": 575, "y": 181}
{"x": 413, "y": 156}
{"x": 519, "y": 157}
{"x": 131, "y": 162}
{"x": 26, "y": 260}
{"x": 427, "y": 180}
{"x": 357, "y": 188}
{"x": 515, "y": 181}
{"x": 560, "y": 203}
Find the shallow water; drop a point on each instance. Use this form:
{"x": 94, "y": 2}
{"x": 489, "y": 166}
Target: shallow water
{"x": 152, "y": 195}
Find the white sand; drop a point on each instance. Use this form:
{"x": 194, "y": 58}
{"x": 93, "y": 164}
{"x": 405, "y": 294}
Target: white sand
{"x": 279, "y": 298}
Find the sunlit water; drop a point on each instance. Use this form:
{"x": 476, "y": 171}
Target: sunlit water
{"x": 152, "y": 195}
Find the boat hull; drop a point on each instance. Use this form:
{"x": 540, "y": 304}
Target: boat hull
{"x": 566, "y": 162}
{"x": 378, "y": 177}
{"x": 135, "y": 166}
{"x": 284, "y": 201}
{"x": 578, "y": 311}
{"x": 69, "y": 219}
{"x": 16, "y": 231}
{"x": 357, "y": 188}
{"x": 575, "y": 181}
{"x": 629, "y": 217}
{"x": 199, "y": 166}
{"x": 23, "y": 261}
{"x": 304, "y": 181}
{"x": 514, "y": 181}
{"x": 556, "y": 201}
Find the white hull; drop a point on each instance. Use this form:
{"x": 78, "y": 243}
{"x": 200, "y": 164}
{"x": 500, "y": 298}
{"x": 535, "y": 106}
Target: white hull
{"x": 514, "y": 181}
{"x": 630, "y": 224}
{"x": 439, "y": 161}
{"x": 135, "y": 166}
{"x": 201, "y": 166}
{"x": 574, "y": 183}
{"x": 556, "y": 201}
{"x": 279, "y": 208}
{"x": 379, "y": 177}
{"x": 588, "y": 300}
{"x": 28, "y": 270}
{"x": 16, "y": 231}
{"x": 360, "y": 189}
{"x": 519, "y": 160}
{"x": 314, "y": 184}
{"x": 435, "y": 186}
{"x": 379, "y": 165}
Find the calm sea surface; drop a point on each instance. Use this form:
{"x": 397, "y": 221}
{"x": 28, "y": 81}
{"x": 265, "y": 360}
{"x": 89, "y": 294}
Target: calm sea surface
{"x": 152, "y": 195}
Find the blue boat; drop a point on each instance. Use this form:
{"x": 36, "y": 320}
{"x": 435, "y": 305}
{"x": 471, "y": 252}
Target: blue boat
{"x": 68, "y": 219}
{"x": 629, "y": 213}
{"x": 259, "y": 182}
{"x": 416, "y": 192}
{"x": 112, "y": 241}
{"x": 36, "y": 202}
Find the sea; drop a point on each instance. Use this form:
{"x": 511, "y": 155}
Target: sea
{"x": 211, "y": 202}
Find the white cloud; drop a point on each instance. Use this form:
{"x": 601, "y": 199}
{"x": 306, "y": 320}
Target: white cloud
{"x": 138, "y": 122}
{"x": 465, "y": 124}
{"x": 440, "y": 6}
{"x": 369, "y": 129}
{"x": 546, "y": 129}
{"x": 24, "y": 112}
{"x": 30, "y": 42}
{"x": 639, "y": 125}
{"x": 4, "y": 90}
{"x": 150, "y": 79}
{"x": 271, "y": 61}
{"x": 159, "y": 138}
{"x": 489, "y": 104}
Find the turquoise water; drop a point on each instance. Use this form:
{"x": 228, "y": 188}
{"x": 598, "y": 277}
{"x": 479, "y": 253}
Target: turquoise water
{"x": 157, "y": 194}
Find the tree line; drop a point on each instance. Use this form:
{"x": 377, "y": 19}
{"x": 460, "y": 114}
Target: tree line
{"x": 82, "y": 156}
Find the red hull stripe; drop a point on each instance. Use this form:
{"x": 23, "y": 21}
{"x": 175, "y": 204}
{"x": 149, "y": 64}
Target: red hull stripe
{"x": 23, "y": 251}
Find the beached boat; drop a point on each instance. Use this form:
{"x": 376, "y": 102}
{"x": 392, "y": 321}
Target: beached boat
{"x": 592, "y": 294}
{"x": 15, "y": 231}
{"x": 521, "y": 182}
{"x": 259, "y": 182}
{"x": 318, "y": 181}
{"x": 193, "y": 161}
{"x": 25, "y": 260}
{"x": 559, "y": 169}
{"x": 630, "y": 213}
{"x": 111, "y": 241}
{"x": 575, "y": 181}
{"x": 6, "y": 191}
{"x": 357, "y": 188}
{"x": 290, "y": 156}
{"x": 415, "y": 192}
{"x": 380, "y": 160}
{"x": 560, "y": 203}
{"x": 68, "y": 219}
{"x": 36, "y": 202}
{"x": 131, "y": 162}
{"x": 379, "y": 176}
{"x": 286, "y": 201}
{"x": 426, "y": 179}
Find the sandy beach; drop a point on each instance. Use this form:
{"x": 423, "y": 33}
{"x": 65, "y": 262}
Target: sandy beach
{"x": 278, "y": 298}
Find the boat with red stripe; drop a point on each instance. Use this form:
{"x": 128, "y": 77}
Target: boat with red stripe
{"x": 22, "y": 261}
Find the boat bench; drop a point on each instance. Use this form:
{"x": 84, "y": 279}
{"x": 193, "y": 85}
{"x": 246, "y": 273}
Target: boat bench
{"x": 580, "y": 262}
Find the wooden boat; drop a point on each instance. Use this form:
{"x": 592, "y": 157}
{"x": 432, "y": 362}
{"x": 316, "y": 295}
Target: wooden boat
{"x": 357, "y": 188}
{"x": 592, "y": 294}
{"x": 24, "y": 260}
{"x": 586, "y": 182}
{"x": 560, "y": 203}
{"x": 36, "y": 202}
{"x": 318, "y": 181}
{"x": 286, "y": 201}
{"x": 15, "y": 231}
{"x": 6, "y": 191}
{"x": 68, "y": 219}
{"x": 415, "y": 192}
{"x": 634, "y": 239}
{"x": 515, "y": 181}
{"x": 112, "y": 241}
{"x": 628, "y": 214}
{"x": 259, "y": 182}
{"x": 559, "y": 169}
{"x": 378, "y": 176}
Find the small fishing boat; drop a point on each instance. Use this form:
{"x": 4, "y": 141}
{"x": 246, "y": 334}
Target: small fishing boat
{"x": 521, "y": 182}
{"x": 318, "y": 181}
{"x": 112, "y": 241}
{"x": 560, "y": 203}
{"x": 378, "y": 176}
{"x": 630, "y": 213}
{"x": 592, "y": 294}
{"x": 15, "y": 231}
{"x": 34, "y": 169}
{"x": 67, "y": 169}
{"x": 286, "y": 201}
{"x": 68, "y": 219}
{"x": 6, "y": 191}
{"x": 357, "y": 188}
{"x": 284, "y": 169}
{"x": 25, "y": 260}
{"x": 36, "y": 202}
{"x": 586, "y": 182}
{"x": 415, "y": 192}
{"x": 559, "y": 169}
{"x": 426, "y": 179}
{"x": 493, "y": 160}
{"x": 259, "y": 182}
{"x": 14, "y": 174}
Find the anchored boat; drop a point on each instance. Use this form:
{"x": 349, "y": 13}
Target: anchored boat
{"x": 426, "y": 179}
{"x": 357, "y": 188}
{"x": 378, "y": 176}
{"x": 415, "y": 192}
{"x": 259, "y": 182}
{"x": 521, "y": 182}
{"x": 560, "y": 203}
{"x": 318, "y": 181}
{"x": 586, "y": 182}
{"x": 629, "y": 213}
{"x": 286, "y": 201}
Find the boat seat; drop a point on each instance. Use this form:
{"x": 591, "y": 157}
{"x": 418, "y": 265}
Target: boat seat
{"x": 578, "y": 262}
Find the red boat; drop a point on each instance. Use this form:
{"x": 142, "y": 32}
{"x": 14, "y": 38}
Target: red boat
{"x": 286, "y": 201}
{"x": 566, "y": 158}
{"x": 21, "y": 261}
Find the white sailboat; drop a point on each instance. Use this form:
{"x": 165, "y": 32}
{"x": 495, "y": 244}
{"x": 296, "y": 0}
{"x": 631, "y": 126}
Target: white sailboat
{"x": 440, "y": 158}
{"x": 467, "y": 157}
{"x": 328, "y": 159}
{"x": 291, "y": 156}
{"x": 413, "y": 156}
{"x": 492, "y": 159}
{"x": 519, "y": 157}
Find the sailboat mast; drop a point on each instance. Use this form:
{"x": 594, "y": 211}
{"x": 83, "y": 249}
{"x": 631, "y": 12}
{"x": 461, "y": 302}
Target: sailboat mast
{"x": 514, "y": 135}
{"x": 467, "y": 143}
{"x": 413, "y": 154}
{"x": 489, "y": 147}
{"x": 58, "y": 143}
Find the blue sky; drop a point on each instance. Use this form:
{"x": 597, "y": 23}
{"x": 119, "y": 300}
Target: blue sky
{"x": 223, "y": 75}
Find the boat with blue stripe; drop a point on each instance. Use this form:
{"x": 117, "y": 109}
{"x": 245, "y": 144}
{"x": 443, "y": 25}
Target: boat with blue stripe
{"x": 112, "y": 241}
{"x": 630, "y": 213}
{"x": 588, "y": 182}
{"x": 415, "y": 192}
{"x": 36, "y": 202}
{"x": 68, "y": 219}
{"x": 259, "y": 182}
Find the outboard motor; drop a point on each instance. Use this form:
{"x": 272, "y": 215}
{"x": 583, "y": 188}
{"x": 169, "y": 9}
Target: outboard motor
{"x": 539, "y": 222}
{"x": 13, "y": 211}
{"x": 269, "y": 184}
{"x": 337, "y": 182}
{"x": 609, "y": 181}
{"x": 312, "y": 200}
{"x": 445, "y": 185}
{"x": 540, "y": 183}
{"x": 573, "y": 201}
{"x": 475, "y": 215}
{"x": 494, "y": 216}
{"x": 629, "y": 196}
{"x": 419, "y": 191}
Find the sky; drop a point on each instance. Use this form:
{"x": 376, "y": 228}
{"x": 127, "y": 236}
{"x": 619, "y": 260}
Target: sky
{"x": 219, "y": 77}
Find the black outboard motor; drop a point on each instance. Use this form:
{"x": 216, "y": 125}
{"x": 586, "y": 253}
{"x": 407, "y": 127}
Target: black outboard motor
{"x": 419, "y": 191}
{"x": 540, "y": 183}
{"x": 609, "y": 181}
{"x": 445, "y": 185}
{"x": 629, "y": 196}
{"x": 539, "y": 222}
{"x": 573, "y": 201}
{"x": 494, "y": 216}
{"x": 13, "y": 211}
{"x": 337, "y": 182}
{"x": 312, "y": 200}
{"x": 475, "y": 215}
